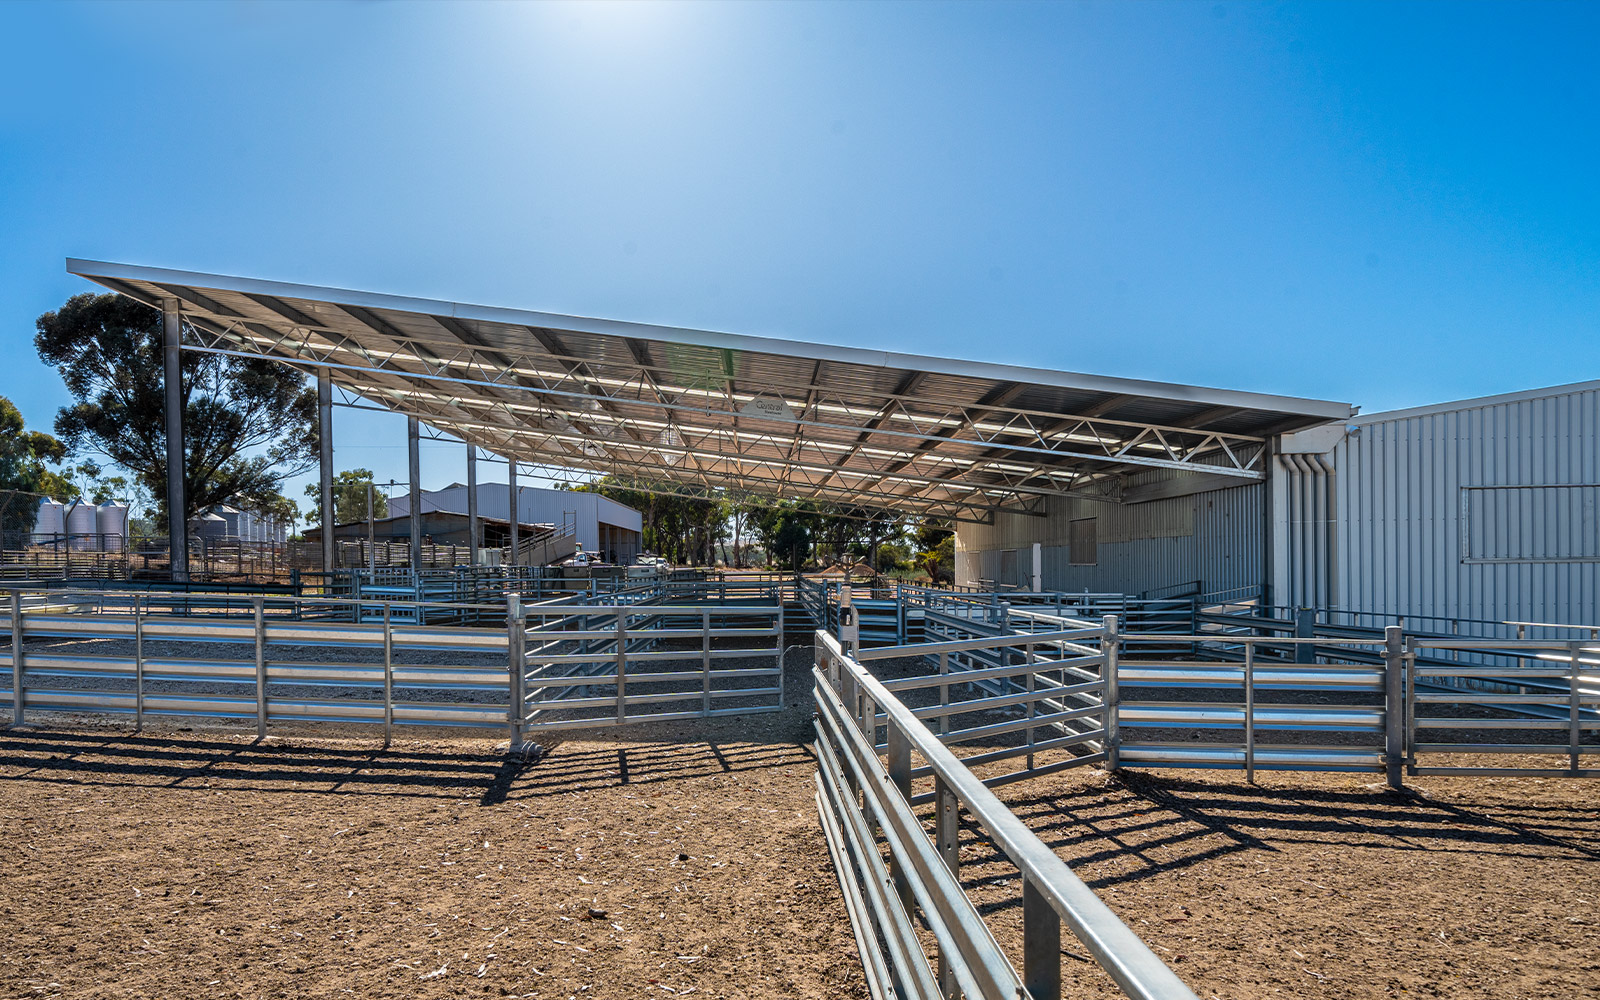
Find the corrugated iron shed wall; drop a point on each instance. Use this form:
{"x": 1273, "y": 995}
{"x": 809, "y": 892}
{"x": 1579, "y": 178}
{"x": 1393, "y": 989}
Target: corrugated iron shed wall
{"x": 1213, "y": 538}
{"x": 1483, "y": 509}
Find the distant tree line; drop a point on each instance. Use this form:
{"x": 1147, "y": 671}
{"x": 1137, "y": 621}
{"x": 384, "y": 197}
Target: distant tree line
{"x": 780, "y": 534}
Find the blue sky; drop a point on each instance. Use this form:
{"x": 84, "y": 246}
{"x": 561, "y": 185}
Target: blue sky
{"x": 1385, "y": 204}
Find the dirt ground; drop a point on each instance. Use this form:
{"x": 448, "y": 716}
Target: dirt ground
{"x": 190, "y": 862}
{"x": 196, "y": 862}
{"x": 1324, "y": 885}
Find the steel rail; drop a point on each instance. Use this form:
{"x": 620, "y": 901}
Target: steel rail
{"x": 1115, "y": 948}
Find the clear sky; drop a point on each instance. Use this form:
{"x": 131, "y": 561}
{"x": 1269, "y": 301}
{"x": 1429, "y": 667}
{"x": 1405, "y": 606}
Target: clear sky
{"x": 1388, "y": 204}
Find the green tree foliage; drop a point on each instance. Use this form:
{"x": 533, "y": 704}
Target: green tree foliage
{"x": 24, "y": 457}
{"x": 249, "y": 424}
{"x": 684, "y": 529}
{"x": 349, "y": 499}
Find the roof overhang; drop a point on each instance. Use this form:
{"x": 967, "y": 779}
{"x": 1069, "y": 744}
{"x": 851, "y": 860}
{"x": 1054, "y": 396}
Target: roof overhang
{"x": 707, "y": 412}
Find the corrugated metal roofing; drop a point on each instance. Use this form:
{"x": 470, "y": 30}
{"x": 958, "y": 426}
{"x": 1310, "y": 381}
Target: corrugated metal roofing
{"x": 713, "y": 411}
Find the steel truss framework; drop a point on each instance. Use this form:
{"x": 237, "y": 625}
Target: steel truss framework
{"x": 710, "y": 412}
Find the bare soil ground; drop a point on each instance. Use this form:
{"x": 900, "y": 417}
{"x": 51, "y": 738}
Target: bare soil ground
{"x": 189, "y": 862}
{"x": 1324, "y": 885}
{"x": 659, "y": 860}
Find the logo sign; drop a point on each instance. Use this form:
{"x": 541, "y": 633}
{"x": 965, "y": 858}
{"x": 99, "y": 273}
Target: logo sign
{"x": 768, "y": 408}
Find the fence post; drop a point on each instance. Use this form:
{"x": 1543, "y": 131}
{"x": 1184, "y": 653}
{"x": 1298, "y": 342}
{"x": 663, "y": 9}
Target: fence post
{"x": 899, "y": 753}
{"x": 622, "y": 666}
{"x": 1305, "y": 627}
{"x": 388, "y": 677}
{"x": 1111, "y": 697}
{"x": 705, "y": 661}
{"x": 944, "y": 693}
{"x": 782, "y": 686}
{"x": 138, "y": 665}
{"x": 1250, "y": 712}
{"x": 1394, "y": 703}
{"x": 1574, "y": 704}
{"x": 257, "y": 610}
{"x": 947, "y": 837}
{"x": 1041, "y": 944}
{"x": 17, "y": 668}
{"x": 517, "y": 709}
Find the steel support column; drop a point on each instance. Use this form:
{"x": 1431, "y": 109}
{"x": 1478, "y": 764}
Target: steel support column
{"x": 177, "y": 499}
{"x": 325, "y": 465}
{"x": 414, "y": 481}
{"x": 511, "y": 494}
{"x": 474, "y": 538}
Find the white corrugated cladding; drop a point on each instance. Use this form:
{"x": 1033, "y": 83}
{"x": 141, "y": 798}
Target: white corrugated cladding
{"x": 1482, "y": 509}
{"x": 1212, "y": 539}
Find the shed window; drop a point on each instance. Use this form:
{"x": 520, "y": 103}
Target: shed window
{"x": 1081, "y": 542}
{"x": 1530, "y": 524}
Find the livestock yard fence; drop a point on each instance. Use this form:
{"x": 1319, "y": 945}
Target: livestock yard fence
{"x": 521, "y": 667}
{"x": 925, "y": 700}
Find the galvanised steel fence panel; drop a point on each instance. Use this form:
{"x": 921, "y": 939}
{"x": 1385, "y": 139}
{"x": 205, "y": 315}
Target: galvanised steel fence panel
{"x": 895, "y": 876}
{"x": 1516, "y": 699}
{"x": 602, "y": 665}
{"x": 275, "y": 659}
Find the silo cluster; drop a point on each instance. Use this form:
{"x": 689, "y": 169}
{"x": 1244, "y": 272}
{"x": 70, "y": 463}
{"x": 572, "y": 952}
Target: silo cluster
{"x": 84, "y": 527}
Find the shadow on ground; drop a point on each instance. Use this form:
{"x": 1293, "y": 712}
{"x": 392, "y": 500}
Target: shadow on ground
{"x": 291, "y": 766}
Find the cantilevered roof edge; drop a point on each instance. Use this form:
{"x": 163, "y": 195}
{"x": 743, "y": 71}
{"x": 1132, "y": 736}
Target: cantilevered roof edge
{"x": 1289, "y": 405}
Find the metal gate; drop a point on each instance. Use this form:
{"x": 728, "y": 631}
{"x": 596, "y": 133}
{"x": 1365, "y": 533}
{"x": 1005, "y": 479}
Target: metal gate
{"x": 609, "y": 665}
{"x": 1528, "y": 697}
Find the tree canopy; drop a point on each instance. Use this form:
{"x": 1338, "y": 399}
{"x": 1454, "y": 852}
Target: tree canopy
{"x": 349, "y": 498}
{"x": 24, "y": 457}
{"x": 249, "y": 423}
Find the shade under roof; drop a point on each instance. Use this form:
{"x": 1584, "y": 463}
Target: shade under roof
{"x": 696, "y": 411}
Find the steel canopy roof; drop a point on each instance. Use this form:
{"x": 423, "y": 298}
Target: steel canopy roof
{"x": 697, "y": 411}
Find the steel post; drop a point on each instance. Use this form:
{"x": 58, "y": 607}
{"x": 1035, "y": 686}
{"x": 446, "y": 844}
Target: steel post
{"x": 1250, "y": 712}
{"x": 388, "y": 677}
{"x": 622, "y": 666}
{"x": 257, "y": 610}
{"x": 512, "y": 518}
{"x": 947, "y": 838}
{"x": 1111, "y": 696}
{"x": 1574, "y": 707}
{"x": 17, "y": 668}
{"x": 899, "y": 753}
{"x": 1041, "y": 944}
{"x": 138, "y": 665}
{"x": 414, "y": 493}
{"x": 474, "y": 537}
{"x": 517, "y": 710}
{"x": 325, "y": 465}
{"x": 1305, "y": 627}
{"x": 705, "y": 661}
{"x": 172, "y": 386}
{"x": 1394, "y": 704}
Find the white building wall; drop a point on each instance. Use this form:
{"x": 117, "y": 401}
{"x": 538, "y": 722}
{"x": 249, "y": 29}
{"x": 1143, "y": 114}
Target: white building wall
{"x": 1482, "y": 509}
{"x": 535, "y": 505}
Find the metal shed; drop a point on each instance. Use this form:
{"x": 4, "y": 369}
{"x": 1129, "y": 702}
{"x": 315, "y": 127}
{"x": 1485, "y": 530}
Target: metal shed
{"x": 1481, "y": 509}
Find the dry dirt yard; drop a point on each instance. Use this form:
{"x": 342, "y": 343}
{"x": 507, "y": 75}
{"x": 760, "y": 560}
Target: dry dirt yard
{"x": 195, "y": 862}
{"x": 1325, "y": 885}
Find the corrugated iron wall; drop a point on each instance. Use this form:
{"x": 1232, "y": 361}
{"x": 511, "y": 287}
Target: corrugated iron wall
{"x": 1212, "y": 538}
{"x": 1485, "y": 511}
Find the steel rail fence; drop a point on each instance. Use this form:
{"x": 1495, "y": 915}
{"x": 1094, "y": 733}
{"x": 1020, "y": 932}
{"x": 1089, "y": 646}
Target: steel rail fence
{"x": 864, "y": 799}
{"x": 271, "y": 659}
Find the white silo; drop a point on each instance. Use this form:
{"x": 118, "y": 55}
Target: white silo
{"x": 81, "y": 525}
{"x": 112, "y": 520}
{"x": 50, "y": 522}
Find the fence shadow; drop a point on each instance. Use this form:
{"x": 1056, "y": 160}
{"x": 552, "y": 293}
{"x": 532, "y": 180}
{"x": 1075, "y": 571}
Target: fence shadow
{"x": 1151, "y": 825}
{"x": 290, "y": 766}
